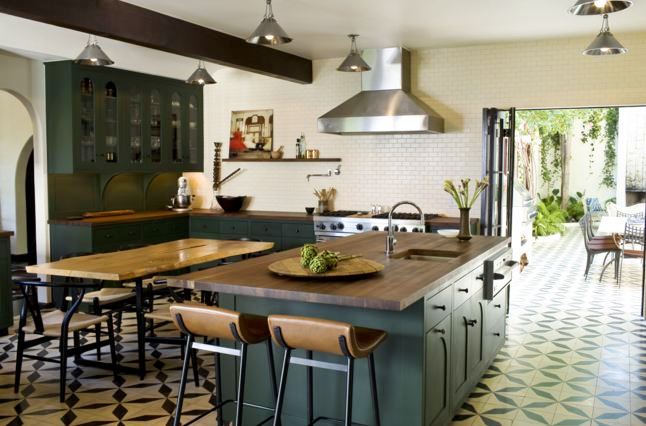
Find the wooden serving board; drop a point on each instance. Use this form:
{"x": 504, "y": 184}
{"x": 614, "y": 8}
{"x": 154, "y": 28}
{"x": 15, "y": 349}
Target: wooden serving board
{"x": 291, "y": 267}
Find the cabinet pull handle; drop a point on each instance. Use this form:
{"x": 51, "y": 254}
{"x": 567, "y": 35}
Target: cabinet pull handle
{"x": 108, "y": 236}
{"x": 463, "y": 290}
{"x": 298, "y": 231}
{"x": 497, "y": 334}
{"x": 472, "y": 323}
{"x": 497, "y": 305}
{"x": 441, "y": 331}
{"x": 442, "y": 307}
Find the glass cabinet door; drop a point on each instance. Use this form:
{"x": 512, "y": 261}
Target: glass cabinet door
{"x": 134, "y": 115}
{"x": 192, "y": 129}
{"x": 88, "y": 139}
{"x": 155, "y": 127}
{"x": 176, "y": 127}
{"x": 111, "y": 123}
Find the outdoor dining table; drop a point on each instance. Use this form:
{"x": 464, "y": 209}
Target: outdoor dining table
{"x": 137, "y": 264}
{"x": 610, "y": 225}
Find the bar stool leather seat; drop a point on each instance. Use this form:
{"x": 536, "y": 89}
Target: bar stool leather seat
{"x": 321, "y": 335}
{"x": 214, "y": 322}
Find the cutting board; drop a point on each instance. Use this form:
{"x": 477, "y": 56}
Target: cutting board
{"x": 348, "y": 268}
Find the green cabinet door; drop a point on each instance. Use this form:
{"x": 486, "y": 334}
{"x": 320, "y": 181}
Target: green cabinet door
{"x": 460, "y": 348}
{"x": 438, "y": 367}
{"x": 475, "y": 353}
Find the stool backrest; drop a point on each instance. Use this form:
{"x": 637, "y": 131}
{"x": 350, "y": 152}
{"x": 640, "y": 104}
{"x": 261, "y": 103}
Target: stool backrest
{"x": 312, "y": 334}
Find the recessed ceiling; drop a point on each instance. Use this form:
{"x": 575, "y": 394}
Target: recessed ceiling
{"x": 319, "y": 27}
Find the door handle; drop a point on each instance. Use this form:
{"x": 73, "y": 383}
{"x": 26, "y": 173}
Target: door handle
{"x": 472, "y": 323}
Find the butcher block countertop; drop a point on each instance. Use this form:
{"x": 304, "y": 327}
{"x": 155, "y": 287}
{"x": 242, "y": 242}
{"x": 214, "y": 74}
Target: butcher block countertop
{"x": 399, "y": 285}
{"x": 169, "y": 214}
{"x": 5, "y": 234}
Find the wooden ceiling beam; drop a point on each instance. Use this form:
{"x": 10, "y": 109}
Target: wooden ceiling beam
{"x": 133, "y": 24}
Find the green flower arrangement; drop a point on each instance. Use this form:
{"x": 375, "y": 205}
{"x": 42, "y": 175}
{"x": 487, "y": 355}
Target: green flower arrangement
{"x": 461, "y": 194}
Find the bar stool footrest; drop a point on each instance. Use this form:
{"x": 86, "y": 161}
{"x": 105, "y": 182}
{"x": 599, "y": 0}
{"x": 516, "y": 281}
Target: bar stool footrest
{"x": 330, "y": 419}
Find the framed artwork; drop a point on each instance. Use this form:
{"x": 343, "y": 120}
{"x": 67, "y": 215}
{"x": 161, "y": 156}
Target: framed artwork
{"x": 252, "y": 133}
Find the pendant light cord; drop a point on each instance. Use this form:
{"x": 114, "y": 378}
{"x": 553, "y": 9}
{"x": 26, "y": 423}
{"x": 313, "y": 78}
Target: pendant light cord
{"x": 269, "y": 13}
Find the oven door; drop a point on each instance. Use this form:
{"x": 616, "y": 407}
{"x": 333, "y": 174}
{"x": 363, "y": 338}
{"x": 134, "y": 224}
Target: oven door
{"x": 327, "y": 236}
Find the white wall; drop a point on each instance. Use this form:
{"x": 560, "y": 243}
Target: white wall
{"x": 457, "y": 82}
{"x": 25, "y": 79}
{"x": 15, "y": 132}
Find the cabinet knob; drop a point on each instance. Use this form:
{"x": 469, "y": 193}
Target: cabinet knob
{"x": 107, "y": 236}
{"x": 497, "y": 306}
{"x": 463, "y": 290}
{"x": 472, "y": 323}
{"x": 441, "y": 331}
{"x": 442, "y": 307}
{"x": 298, "y": 231}
{"x": 497, "y": 334}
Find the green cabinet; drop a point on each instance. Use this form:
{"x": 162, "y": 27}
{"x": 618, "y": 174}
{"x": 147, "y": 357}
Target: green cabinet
{"x": 438, "y": 373}
{"x": 6, "y": 308}
{"x": 106, "y": 120}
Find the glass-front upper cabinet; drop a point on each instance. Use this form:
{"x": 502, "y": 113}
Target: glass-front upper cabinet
{"x": 111, "y": 121}
{"x": 155, "y": 127}
{"x": 87, "y": 116}
{"x": 134, "y": 115}
{"x": 193, "y": 130}
{"x": 176, "y": 127}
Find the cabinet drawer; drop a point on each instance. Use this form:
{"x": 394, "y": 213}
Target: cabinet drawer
{"x": 437, "y": 308}
{"x": 155, "y": 229}
{"x": 295, "y": 242}
{"x": 300, "y": 230}
{"x": 266, "y": 228}
{"x": 201, "y": 225}
{"x": 178, "y": 227}
{"x": 496, "y": 310}
{"x": 235, "y": 227}
{"x": 466, "y": 287}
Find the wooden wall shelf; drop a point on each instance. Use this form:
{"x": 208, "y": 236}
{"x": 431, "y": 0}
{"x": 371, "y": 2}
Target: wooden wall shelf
{"x": 283, "y": 160}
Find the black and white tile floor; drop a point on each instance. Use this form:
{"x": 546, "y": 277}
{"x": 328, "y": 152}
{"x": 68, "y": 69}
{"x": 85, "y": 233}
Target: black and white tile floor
{"x": 576, "y": 355}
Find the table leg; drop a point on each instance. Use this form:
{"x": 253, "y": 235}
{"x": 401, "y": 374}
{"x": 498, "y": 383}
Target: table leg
{"x": 141, "y": 327}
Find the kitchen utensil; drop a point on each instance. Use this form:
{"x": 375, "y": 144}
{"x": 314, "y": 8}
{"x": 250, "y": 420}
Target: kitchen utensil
{"x": 230, "y": 204}
{"x": 228, "y": 177}
{"x": 357, "y": 266}
{"x": 448, "y": 233}
{"x": 309, "y": 210}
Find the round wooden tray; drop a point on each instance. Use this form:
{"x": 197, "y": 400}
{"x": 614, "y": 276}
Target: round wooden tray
{"x": 348, "y": 268}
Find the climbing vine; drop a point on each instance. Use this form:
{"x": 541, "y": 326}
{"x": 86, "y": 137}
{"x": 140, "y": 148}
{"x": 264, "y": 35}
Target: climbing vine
{"x": 610, "y": 151}
{"x": 591, "y": 132}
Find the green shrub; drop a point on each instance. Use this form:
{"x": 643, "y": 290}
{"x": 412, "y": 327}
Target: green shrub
{"x": 575, "y": 210}
{"x": 550, "y": 217}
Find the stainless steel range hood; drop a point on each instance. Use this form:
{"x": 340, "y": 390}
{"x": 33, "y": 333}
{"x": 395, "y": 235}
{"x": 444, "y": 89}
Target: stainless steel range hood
{"x": 385, "y": 104}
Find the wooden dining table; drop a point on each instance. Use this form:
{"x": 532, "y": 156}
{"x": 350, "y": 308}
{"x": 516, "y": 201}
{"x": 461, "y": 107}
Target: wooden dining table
{"x": 137, "y": 264}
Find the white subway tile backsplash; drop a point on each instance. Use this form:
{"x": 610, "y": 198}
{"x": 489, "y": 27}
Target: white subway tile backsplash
{"x": 383, "y": 169}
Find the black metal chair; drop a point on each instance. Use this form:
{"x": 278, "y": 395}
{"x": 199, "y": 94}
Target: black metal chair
{"x": 632, "y": 244}
{"x": 58, "y": 324}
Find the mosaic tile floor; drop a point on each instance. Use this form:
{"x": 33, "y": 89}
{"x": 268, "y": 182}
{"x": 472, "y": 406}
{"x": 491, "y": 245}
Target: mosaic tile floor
{"x": 576, "y": 351}
{"x": 576, "y": 355}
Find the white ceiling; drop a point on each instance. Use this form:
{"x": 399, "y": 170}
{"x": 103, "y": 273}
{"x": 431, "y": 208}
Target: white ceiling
{"x": 319, "y": 26}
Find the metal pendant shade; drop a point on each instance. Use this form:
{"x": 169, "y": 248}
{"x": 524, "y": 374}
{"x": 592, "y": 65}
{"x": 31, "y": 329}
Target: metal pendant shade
{"x": 269, "y": 33}
{"x": 599, "y": 7}
{"x": 200, "y": 76}
{"x": 353, "y": 62}
{"x": 92, "y": 54}
{"x": 605, "y": 43}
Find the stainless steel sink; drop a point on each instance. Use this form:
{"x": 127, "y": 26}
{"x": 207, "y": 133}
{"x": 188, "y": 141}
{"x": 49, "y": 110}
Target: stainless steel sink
{"x": 426, "y": 255}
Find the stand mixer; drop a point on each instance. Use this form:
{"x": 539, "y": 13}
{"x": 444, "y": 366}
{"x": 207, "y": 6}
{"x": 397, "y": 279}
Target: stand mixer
{"x": 182, "y": 201}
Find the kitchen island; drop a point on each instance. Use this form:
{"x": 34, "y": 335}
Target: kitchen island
{"x": 442, "y": 332}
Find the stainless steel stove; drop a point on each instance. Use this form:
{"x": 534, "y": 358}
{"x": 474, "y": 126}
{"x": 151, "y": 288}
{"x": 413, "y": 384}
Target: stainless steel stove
{"x": 344, "y": 223}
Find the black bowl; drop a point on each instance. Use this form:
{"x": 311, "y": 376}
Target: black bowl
{"x": 230, "y": 204}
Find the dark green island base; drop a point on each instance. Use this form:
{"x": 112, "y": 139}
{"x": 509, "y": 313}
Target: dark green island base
{"x": 435, "y": 352}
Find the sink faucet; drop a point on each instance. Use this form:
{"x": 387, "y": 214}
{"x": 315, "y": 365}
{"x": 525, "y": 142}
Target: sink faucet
{"x": 390, "y": 240}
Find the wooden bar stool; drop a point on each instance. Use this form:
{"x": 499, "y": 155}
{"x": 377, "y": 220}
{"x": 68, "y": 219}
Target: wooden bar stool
{"x": 332, "y": 337}
{"x": 215, "y": 323}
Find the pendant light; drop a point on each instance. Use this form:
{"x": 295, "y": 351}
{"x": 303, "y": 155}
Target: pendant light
{"x": 353, "y": 62}
{"x": 200, "y": 76}
{"x": 268, "y": 31}
{"x": 93, "y": 54}
{"x": 599, "y": 7}
{"x": 605, "y": 43}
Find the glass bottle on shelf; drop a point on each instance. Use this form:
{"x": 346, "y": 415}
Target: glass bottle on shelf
{"x": 135, "y": 128}
{"x": 155, "y": 127}
{"x": 176, "y": 127}
{"x": 87, "y": 116}
{"x": 111, "y": 123}
{"x": 192, "y": 130}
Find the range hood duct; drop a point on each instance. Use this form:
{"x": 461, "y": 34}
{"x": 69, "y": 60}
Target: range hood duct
{"x": 385, "y": 103}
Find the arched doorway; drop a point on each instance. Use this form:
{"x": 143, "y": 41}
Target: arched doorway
{"x": 17, "y": 189}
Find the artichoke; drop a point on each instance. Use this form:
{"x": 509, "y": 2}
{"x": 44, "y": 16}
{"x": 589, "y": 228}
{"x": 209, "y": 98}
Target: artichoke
{"x": 308, "y": 252}
{"x": 331, "y": 258}
{"x": 319, "y": 264}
